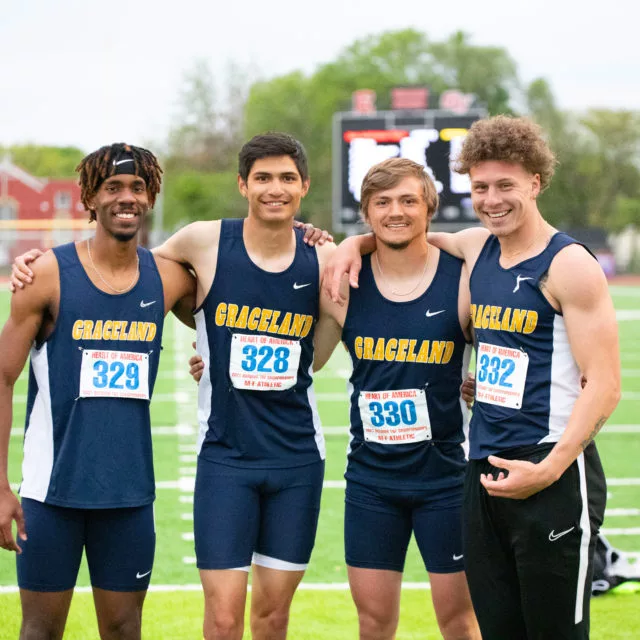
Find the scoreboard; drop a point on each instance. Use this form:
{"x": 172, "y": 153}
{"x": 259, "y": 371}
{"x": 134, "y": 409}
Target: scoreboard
{"x": 430, "y": 137}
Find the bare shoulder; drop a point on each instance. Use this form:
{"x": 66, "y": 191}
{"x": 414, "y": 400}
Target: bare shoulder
{"x": 576, "y": 277}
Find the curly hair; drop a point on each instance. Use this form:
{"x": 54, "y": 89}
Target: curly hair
{"x": 388, "y": 174}
{"x": 95, "y": 168}
{"x": 508, "y": 139}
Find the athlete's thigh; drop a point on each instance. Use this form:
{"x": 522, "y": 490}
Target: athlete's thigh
{"x": 120, "y": 548}
{"x": 289, "y": 510}
{"x": 554, "y": 554}
{"x": 226, "y": 515}
{"x": 488, "y": 559}
{"x": 437, "y": 527}
{"x": 51, "y": 555}
{"x": 377, "y": 529}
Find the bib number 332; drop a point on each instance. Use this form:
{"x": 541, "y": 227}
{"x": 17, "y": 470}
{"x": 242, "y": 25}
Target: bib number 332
{"x": 501, "y": 373}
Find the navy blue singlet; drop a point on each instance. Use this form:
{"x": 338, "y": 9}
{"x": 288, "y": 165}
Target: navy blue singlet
{"x": 256, "y": 405}
{"x": 527, "y": 380}
{"x": 87, "y": 446}
{"x": 400, "y": 346}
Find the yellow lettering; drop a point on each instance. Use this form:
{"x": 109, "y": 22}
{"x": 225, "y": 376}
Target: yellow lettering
{"x": 357, "y": 347}
{"x": 143, "y": 328}
{"x": 265, "y": 316}
{"x": 115, "y": 334}
{"x": 485, "y": 317}
{"x": 88, "y": 326}
{"x": 152, "y": 331}
{"x": 133, "y": 332}
{"x": 411, "y": 356}
{"x": 308, "y": 323}
{"x": 494, "y": 323}
{"x": 232, "y": 314}
{"x": 254, "y": 317}
{"x": 286, "y": 325}
{"x": 437, "y": 349}
{"x": 97, "y": 331}
{"x": 403, "y": 344}
{"x": 506, "y": 319}
{"x": 298, "y": 324}
{"x": 448, "y": 352}
{"x": 423, "y": 354}
{"x": 378, "y": 354}
{"x": 368, "y": 349}
{"x": 76, "y": 332}
{"x": 108, "y": 328}
{"x": 518, "y": 320}
{"x": 273, "y": 327}
{"x": 390, "y": 350}
{"x": 221, "y": 314}
{"x": 532, "y": 322}
{"x": 241, "y": 322}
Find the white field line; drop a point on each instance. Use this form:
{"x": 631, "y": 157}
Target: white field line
{"x": 622, "y": 512}
{"x": 627, "y": 314}
{"x": 620, "y": 532}
{"x": 304, "y": 586}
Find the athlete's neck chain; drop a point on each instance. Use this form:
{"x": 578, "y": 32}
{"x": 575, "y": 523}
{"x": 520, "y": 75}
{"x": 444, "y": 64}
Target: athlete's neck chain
{"x": 398, "y": 293}
{"x": 135, "y": 276}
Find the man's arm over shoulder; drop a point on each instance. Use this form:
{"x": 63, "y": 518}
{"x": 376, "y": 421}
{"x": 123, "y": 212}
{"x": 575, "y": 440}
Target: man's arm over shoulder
{"x": 186, "y": 245}
{"x": 179, "y": 287}
{"x": 466, "y": 244}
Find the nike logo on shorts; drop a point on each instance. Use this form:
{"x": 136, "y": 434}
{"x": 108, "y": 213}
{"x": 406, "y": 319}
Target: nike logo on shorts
{"x": 455, "y": 557}
{"x": 301, "y": 286}
{"x": 553, "y": 536}
{"x": 142, "y": 575}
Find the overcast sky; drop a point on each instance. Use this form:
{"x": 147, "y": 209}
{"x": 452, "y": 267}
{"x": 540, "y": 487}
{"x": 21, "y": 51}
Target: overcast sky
{"x": 87, "y": 73}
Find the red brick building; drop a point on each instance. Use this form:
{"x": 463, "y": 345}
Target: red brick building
{"x": 37, "y": 212}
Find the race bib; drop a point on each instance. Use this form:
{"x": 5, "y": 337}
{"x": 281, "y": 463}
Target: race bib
{"x": 263, "y": 363}
{"x": 501, "y": 374}
{"x": 114, "y": 374}
{"x": 395, "y": 417}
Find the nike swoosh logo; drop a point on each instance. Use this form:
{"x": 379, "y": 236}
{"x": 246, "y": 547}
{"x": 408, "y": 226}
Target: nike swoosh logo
{"x": 142, "y": 575}
{"x": 455, "y": 557}
{"x": 115, "y": 164}
{"x": 144, "y": 304}
{"x": 430, "y": 314}
{"x": 554, "y": 536}
{"x": 301, "y": 286}
{"x": 520, "y": 279}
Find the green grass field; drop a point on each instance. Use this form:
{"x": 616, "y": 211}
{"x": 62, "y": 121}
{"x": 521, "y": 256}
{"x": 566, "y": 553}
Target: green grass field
{"x": 322, "y": 608}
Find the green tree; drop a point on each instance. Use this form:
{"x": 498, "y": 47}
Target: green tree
{"x": 44, "y": 161}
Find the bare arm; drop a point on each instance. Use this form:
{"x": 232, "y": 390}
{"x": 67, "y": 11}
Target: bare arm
{"x": 179, "y": 287}
{"x": 28, "y": 309}
{"x": 465, "y": 244}
{"x": 195, "y": 246}
{"x": 346, "y": 260}
{"x": 588, "y": 313}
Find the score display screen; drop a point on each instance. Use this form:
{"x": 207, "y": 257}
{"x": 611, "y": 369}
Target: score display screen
{"x": 431, "y": 138}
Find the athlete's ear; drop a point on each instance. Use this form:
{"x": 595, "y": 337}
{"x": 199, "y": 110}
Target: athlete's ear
{"x": 242, "y": 187}
{"x": 535, "y": 187}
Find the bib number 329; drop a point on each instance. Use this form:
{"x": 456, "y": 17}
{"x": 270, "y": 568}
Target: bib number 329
{"x": 114, "y": 374}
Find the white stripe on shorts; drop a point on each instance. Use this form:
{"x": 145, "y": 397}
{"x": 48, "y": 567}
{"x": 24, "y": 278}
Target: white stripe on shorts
{"x": 274, "y": 563}
{"x": 585, "y": 525}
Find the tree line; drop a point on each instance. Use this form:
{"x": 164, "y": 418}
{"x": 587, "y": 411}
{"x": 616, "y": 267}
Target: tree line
{"x": 597, "y": 181}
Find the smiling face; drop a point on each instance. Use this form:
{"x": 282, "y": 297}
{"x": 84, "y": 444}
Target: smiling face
{"x": 121, "y": 203}
{"x": 503, "y": 195}
{"x": 274, "y": 189}
{"x": 398, "y": 215}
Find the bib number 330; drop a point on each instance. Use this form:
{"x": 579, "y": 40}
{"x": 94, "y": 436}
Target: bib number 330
{"x": 114, "y": 374}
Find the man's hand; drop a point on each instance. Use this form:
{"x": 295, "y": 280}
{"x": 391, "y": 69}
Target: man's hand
{"x": 468, "y": 389}
{"x": 196, "y": 365}
{"x": 20, "y": 272}
{"x": 10, "y": 510}
{"x": 313, "y": 235}
{"x": 522, "y": 480}
{"x": 345, "y": 260}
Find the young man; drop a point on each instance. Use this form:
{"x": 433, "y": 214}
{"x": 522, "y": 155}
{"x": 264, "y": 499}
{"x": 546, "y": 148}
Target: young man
{"x": 92, "y": 322}
{"x": 261, "y": 449}
{"x": 535, "y": 491}
{"x": 407, "y": 330}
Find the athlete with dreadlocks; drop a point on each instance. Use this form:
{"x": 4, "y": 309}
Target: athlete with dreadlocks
{"x": 92, "y": 323}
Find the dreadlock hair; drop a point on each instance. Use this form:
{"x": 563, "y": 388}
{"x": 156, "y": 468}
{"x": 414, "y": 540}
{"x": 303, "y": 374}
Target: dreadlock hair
{"x": 95, "y": 168}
